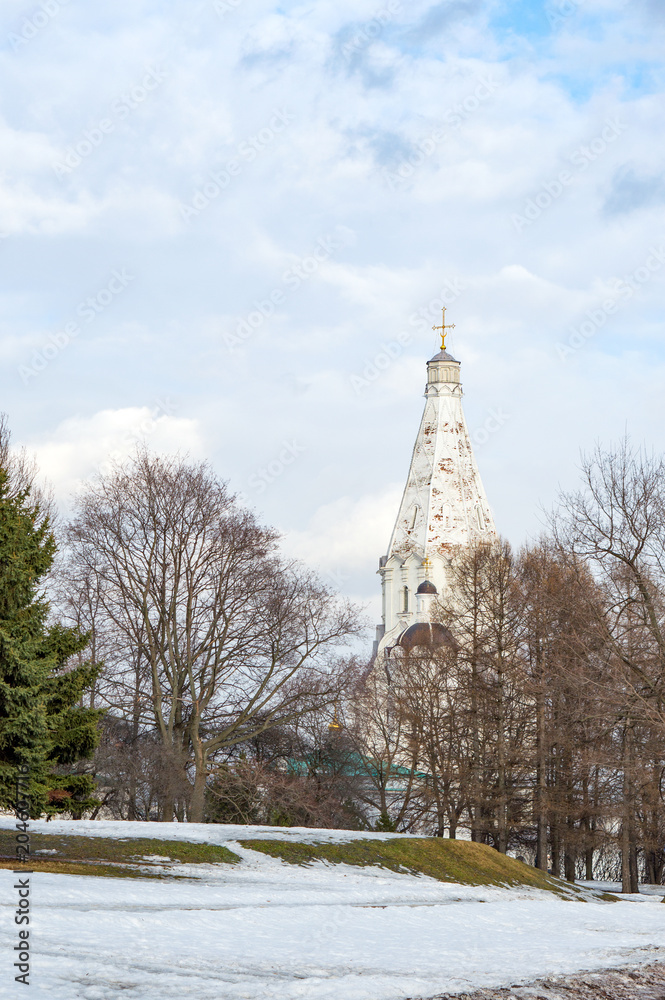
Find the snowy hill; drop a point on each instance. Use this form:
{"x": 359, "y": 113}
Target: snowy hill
{"x": 263, "y": 928}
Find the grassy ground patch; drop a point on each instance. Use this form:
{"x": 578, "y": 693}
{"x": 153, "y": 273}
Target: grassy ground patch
{"x": 97, "y": 868}
{"x": 446, "y": 860}
{"x": 105, "y": 856}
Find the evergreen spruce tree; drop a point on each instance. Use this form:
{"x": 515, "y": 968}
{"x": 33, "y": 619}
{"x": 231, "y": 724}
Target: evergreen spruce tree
{"x": 42, "y": 727}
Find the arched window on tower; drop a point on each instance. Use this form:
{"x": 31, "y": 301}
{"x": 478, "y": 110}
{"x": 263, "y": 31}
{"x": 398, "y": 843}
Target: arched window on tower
{"x": 481, "y": 519}
{"x": 405, "y": 599}
{"x": 446, "y": 516}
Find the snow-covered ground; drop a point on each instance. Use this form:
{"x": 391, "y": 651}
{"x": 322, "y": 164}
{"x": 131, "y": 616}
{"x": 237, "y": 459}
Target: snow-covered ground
{"x": 198, "y": 833}
{"x": 266, "y": 930}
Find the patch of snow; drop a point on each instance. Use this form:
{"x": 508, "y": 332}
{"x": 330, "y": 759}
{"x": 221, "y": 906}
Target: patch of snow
{"x": 615, "y": 887}
{"x": 265, "y": 930}
{"x": 198, "y": 833}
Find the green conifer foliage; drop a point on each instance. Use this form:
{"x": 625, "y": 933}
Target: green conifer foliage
{"x": 41, "y": 725}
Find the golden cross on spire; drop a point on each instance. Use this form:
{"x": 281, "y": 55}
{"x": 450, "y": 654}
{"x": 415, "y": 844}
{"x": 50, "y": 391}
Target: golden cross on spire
{"x": 443, "y": 328}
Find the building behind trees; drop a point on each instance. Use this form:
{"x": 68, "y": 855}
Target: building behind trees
{"x": 515, "y": 698}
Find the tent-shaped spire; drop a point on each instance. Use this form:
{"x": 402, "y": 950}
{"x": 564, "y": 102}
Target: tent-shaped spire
{"x": 443, "y": 506}
{"x": 444, "y": 503}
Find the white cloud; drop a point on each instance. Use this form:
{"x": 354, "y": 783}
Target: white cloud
{"x": 324, "y": 173}
{"x": 82, "y": 447}
{"x": 347, "y": 535}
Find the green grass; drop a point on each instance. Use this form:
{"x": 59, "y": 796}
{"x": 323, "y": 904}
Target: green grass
{"x": 96, "y": 868}
{"x": 105, "y": 856}
{"x": 446, "y": 860}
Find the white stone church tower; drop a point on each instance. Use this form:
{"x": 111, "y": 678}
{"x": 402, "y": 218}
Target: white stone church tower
{"x": 443, "y": 507}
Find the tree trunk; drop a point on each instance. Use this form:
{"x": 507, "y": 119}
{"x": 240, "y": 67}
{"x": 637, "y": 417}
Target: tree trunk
{"x": 627, "y": 880}
{"x": 587, "y": 825}
{"x": 625, "y": 855}
{"x": 502, "y": 826}
{"x": 541, "y": 789}
{"x": 556, "y": 853}
{"x": 167, "y": 809}
{"x": 474, "y": 807}
{"x": 197, "y": 802}
{"x": 634, "y": 874}
{"x": 502, "y": 829}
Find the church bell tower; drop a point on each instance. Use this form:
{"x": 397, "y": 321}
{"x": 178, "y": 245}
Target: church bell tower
{"x": 443, "y": 508}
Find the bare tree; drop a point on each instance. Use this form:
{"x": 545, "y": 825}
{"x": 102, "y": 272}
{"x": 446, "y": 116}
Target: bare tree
{"x": 233, "y": 639}
{"x": 21, "y": 470}
{"x": 484, "y": 612}
{"x": 617, "y": 523}
{"x": 434, "y": 700}
{"x": 564, "y": 652}
{"x": 378, "y": 728}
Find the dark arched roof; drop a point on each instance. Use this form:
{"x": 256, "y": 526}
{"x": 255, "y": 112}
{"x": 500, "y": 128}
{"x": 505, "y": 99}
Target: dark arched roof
{"x": 427, "y": 587}
{"x": 431, "y": 635}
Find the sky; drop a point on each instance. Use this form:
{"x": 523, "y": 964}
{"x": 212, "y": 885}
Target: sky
{"x": 227, "y": 228}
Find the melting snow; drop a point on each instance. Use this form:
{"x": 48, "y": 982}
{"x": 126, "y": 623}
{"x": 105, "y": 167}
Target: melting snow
{"x": 266, "y": 930}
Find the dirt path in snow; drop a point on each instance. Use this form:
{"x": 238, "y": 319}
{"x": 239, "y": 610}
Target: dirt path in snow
{"x": 646, "y": 983}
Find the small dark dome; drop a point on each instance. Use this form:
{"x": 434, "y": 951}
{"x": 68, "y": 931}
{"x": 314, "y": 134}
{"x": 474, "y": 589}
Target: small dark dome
{"x": 443, "y": 356}
{"x": 430, "y": 634}
{"x": 427, "y": 587}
